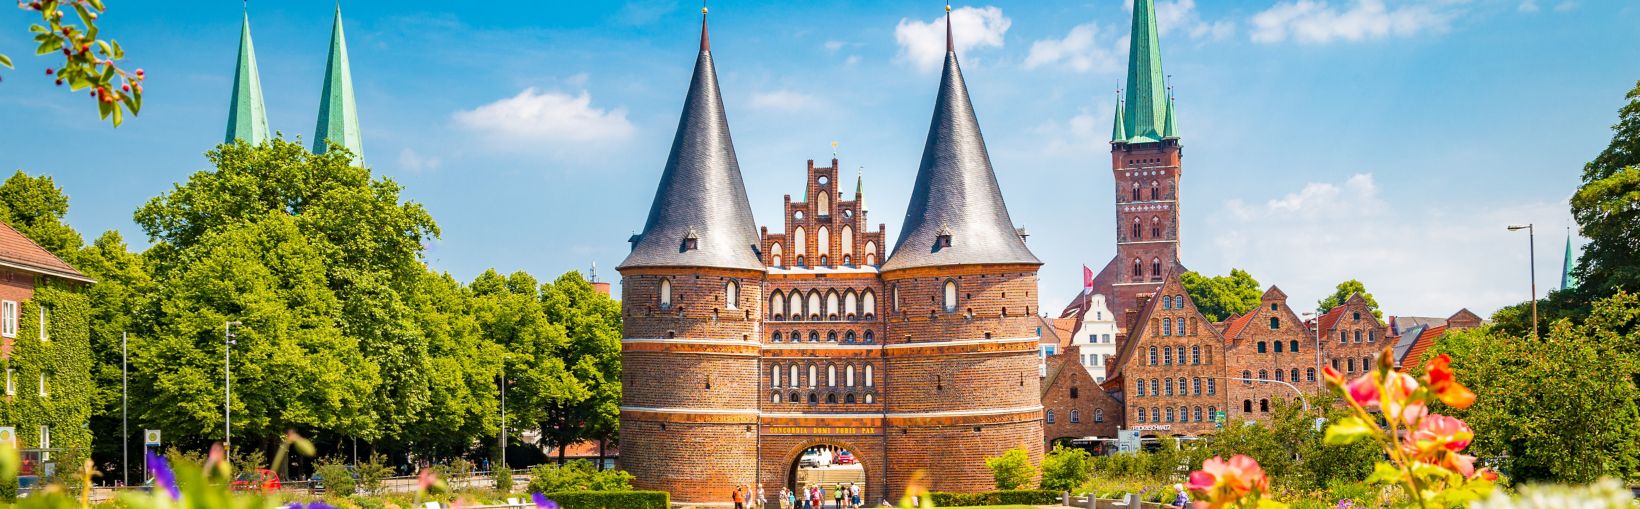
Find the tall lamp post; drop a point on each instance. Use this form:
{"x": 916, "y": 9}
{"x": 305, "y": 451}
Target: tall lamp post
{"x": 125, "y": 434}
{"x": 227, "y": 385}
{"x": 1531, "y": 245}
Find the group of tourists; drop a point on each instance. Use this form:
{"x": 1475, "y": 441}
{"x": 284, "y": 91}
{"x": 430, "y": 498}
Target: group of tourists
{"x": 813, "y": 496}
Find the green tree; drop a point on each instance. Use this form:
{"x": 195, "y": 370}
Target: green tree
{"x": 35, "y": 206}
{"x": 1219, "y": 297}
{"x": 1343, "y": 292}
{"x": 592, "y": 322}
{"x": 88, "y": 62}
{"x": 120, "y": 305}
{"x": 1012, "y": 469}
{"x": 1607, "y": 208}
{"x": 1587, "y": 369}
{"x": 1066, "y": 468}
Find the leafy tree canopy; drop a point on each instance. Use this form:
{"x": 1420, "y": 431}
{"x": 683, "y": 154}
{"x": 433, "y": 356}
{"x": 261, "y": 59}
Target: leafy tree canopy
{"x": 1342, "y": 294}
{"x": 1219, "y": 297}
{"x": 35, "y": 207}
{"x": 1607, "y": 208}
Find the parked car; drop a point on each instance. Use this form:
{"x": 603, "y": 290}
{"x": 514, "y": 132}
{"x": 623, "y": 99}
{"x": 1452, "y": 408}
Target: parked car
{"x": 845, "y": 458}
{"x": 260, "y": 480}
{"x": 814, "y": 458}
{"x": 317, "y": 481}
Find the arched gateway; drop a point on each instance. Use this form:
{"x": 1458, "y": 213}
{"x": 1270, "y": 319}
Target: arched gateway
{"x": 810, "y": 461}
{"x": 723, "y": 388}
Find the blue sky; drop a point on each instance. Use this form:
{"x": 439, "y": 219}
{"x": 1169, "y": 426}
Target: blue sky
{"x": 1384, "y": 140}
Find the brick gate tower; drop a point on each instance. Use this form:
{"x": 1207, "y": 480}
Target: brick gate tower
{"x": 960, "y": 347}
{"x": 691, "y": 303}
{"x": 1145, "y": 157}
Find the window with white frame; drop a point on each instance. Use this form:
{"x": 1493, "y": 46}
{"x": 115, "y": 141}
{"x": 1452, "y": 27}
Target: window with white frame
{"x": 8, "y": 319}
{"x": 43, "y": 391}
{"x": 45, "y": 442}
{"x": 11, "y": 383}
{"x": 868, "y": 373}
{"x": 848, "y": 375}
{"x": 731, "y": 295}
{"x": 45, "y": 318}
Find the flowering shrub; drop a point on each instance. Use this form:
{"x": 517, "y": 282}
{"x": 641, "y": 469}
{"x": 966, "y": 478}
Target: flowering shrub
{"x": 1424, "y": 450}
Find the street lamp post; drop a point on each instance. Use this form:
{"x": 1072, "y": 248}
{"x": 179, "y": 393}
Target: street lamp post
{"x": 1531, "y": 257}
{"x": 227, "y": 385}
{"x": 1300, "y": 393}
{"x": 125, "y": 434}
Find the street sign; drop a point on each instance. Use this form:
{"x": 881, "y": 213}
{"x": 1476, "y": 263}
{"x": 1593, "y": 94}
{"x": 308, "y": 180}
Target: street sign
{"x": 150, "y": 437}
{"x": 1127, "y": 440}
{"x": 1320, "y": 423}
{"x": 8, "y": 435}
{"x": 1218, "y": 419}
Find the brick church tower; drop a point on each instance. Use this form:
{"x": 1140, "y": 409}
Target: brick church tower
{"x": 691, "y": 303}
{"x": 960, "y": 344}
{"x": 1145, "y": 157}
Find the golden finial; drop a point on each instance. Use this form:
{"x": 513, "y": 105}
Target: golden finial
{"x": 948, "y": 7}
{"x": 703, "y": 10}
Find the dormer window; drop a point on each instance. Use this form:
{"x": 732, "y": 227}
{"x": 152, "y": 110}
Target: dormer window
{"x": 691, "y": 241}
{"x": 942, "y": 238}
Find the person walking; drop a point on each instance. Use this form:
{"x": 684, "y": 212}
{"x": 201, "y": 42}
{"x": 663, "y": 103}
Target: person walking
{"x": 854, "y": 495}
{"x": 762, "y": 498}
{"x": 740, "y": 498}
{"x": 1181, "y": 498}
{"x": 839, "y": 495}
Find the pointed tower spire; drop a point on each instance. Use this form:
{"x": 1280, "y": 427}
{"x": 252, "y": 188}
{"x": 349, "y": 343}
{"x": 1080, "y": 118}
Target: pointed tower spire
{"x": 1146, "y": 90}
{"x": 1170, "y": 131}
{"x": 701, "y": 216}
{"x": 956, "y": 215}
{"x": 1567, "y": 280}
{"x": 1118, "y": 131}
{"x": 860, "y": 188}
{"x": 705, "y": 36}
{"x": 338, "y": 114}
{"x": 247, "y": 117}
{"x": 950, "y": 45}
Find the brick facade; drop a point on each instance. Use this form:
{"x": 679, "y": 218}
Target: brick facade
{"x": 1073, "y": 405}
{"x": 1271, "y": 342}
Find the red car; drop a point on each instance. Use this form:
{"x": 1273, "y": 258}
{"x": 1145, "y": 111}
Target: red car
{"x": 844, "y": 458}
{"x": 260, "y": 480}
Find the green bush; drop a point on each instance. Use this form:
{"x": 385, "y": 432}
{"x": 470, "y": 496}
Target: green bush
{"x": 577, "y": 475}
{"x": 1000, "y": 497}
{"x": 503, "y": 479}
{"x": 373, "y": 473}
{"x": 335, "y": 477}
{"x": 1012, "y": 469}
{"x": 1065, "y": 469}
{"x": 611, "y": 499}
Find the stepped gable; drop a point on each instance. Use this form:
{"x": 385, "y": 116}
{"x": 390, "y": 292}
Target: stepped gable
{"x": 701, "y": 194}
{"x": 956, "y": 215}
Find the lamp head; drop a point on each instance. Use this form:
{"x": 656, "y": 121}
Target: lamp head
{"x": 236, "y": 322}
{"x": 1518, "y": 227}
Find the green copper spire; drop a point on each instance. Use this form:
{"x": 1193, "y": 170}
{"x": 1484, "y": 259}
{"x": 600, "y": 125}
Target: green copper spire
{"x": 338, "y": 114}
{"x": 1567, "y": 281}
{"x": 247, "y": 117}
{"x": 860, "y": 188}
{"x": 1146, "y": 90}
{"x": 1118, "y": 131}
{"x": 1170, "y": 131}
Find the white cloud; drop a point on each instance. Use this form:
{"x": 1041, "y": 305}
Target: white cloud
{"x": 851, "y": 60}
{"x": 834, "y": 45}
{"x": 785, "y": 100}
{"x": 1182, "y": 15}
{"x": 923, "y": 43}
{"x": 1431, "y": 259}
{"x": 547, "y": 117}
{"x": 413, "y": 162}
{"x": 1318, "y": 21}
{"x": 1083, "y": 135}
{"x": 1566, "y": 5}
{"x": 1529, "y": 6}
{"x": 1083, "y": 49}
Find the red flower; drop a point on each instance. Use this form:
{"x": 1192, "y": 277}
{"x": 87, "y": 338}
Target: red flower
{"x": 1363, "y": 391}
{"x": 1332, "y": 376}
{"x": 1224, "y": 482}
{"x": 1442, "y": 432}
{"x": 1445, "y": 383}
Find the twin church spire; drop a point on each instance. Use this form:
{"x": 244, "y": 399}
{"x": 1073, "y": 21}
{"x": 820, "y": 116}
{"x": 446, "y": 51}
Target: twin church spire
{"x": 338, "y": 112}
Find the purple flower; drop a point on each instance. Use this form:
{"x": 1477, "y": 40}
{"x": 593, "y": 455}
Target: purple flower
{"x": 163, "y": 476}
{"x": 541, "y": 501}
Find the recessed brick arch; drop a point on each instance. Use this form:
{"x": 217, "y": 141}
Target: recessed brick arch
{"x": 780, "y": 455}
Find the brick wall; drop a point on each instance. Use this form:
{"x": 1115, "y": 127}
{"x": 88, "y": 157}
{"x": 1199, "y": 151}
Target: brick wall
{"x": 1278, "y": 361}
{"x": 953, "y": 457}
{"x": 695, "y": 462}
{"x": 698, "y": 308}
{"x": 1339, "y": 344}
{"x": 1196, "y": 356}
{"x": 1072, "y": 389}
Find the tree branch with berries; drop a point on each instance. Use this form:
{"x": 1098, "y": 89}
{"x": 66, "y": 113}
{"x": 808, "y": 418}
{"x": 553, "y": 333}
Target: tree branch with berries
{"x": 89, "y": 63}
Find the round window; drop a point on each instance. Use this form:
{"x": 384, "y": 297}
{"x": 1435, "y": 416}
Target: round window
{"x": 823, "y": 180}
{"x": 848, "y": 214}
{"x": 798, "y": 215}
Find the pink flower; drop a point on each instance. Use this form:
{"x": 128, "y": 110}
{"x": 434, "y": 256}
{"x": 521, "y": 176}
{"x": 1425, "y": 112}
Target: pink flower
{"x": 1224, "y": 482}
{"x": 1363, "y": 391}
{"x": 1440, "y": 431}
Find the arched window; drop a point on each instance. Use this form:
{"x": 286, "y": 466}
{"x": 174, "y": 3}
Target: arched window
{"x": 731, "y": 295}
{"x": 1138, "y": 268}
{"x": 774, "y": 376}
{"x": 1365, "y": 363}
{"x": 1155, "y": 387}
{"x": 1275, "y": 323}
{"x": 1180, "y": 321}
{"x": 795, "y": 306}
{"x": 1292, "y": 346}
{"x": 1048, "y": 416}
{"x": 1139, "y": 387}
{"x": 776, "y": 337}
{"x": 793, "y": 398}
{"x": 1076, "y": 416}
{"x": 1155, "y": 227}
{"x": 896, "y": 296}
{"x": 848, "y": 337}
{"x": 868, "y": 304}
{"x": 1141, "y": 415}
{"x": 1169, "y": 414}
{"x": 1138, "y": 234}
{"x": 1073, "y": 392}
{"x": 848, "y": 375}
{"x": 1309, "y": 374}
{"x": 777, "y": 306}
{"x": 1195, "y": 355}
{"x": 1212, "y": 387}
{"x": 814, "y": 398}
{"x": 1153, "y": 355}
{"x": 1264, "y": 405}
{"x": 1261, "y": 347}
{"x": 851, "y": 305}
{"x": 1198, "y": 414}
{"x": 831, "y": 305}
{"x": 1281, "y": 376}
{"x": 831, "y": 375}
{"x": 791, "y": 378}
{"x": 848, "y": 398}
{"x": 1247, "y": 406}
{"x": 823, "y": 242}
{"x": 950, "y": 296}
{"x": 814, "y": 305}
{"x": 1167, "y": 302}
{"x": 1372, "y": 336}
{"x": 1156, "y": 267}
{"x": 870, "y": 398}
{"x": 1350, "y": 363}
{"x": 775, "y": 397}
{"x": 1135, "y": 191}
{"x": 1167, "y": 330}
{"x": 824, "y": 203}
{"x": 814, "y": 376}
{"x": 1098, "y": 415}
{"x": 666, "y": 293}
{"x": 868, "y": 377}
{"x": 1263, "y": 374}
{"x": 1295, "y": 375}
{"x": 848, "y": 241}
{"x": 831, "y": 336}
{"x": 1155, "y": 190}
{"x": 1278, "y": 346}
{"x": 870, "y": 337}
{"x": 1167, "y": 356}
{"x": 1343, "y": 337}
{"x": 800, "y": 244}
{"x": 1195, "y": 386}
{"x": 871, "y": 253}
{"x": 1246, "y": 376}
{"x": 1156, "y": 413}
{"x": 1357, "y": 336}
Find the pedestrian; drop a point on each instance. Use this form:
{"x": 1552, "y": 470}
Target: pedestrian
{"x": 762, "y": 498}
{"x": 854, "y": 495}
{"x": 784, "y": 496}
{"x": 1181, "y": 499}
{"x": 739, "y": 498}
{"x": 838, "y": 496}
{"x": 816, "y": 495}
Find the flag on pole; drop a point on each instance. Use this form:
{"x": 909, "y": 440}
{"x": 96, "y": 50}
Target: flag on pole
{"x": 1087, "y": 277}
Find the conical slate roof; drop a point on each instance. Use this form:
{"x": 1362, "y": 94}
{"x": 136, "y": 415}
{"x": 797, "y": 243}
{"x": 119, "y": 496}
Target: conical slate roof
{"x": 956, "y": 192}
{"x": 701, "y": 194}
{"x": 247, "y": 117}
{"x": 338, "y": 113}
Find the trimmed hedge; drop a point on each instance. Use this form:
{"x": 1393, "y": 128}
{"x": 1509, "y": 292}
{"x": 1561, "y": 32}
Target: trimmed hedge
{"x": 611, "y": 499}
{"x": 1001, "y": 497}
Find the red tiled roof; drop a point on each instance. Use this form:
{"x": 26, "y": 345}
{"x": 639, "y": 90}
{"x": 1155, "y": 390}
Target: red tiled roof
{"x": 1237, "y": 324}
{"x": 1415, "y": 353}
{"x": 19, "y": 252}
{"x": 1327, "y": 321}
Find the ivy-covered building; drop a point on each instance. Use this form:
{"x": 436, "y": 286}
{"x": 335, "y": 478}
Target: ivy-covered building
{"x": 45, "y": 350}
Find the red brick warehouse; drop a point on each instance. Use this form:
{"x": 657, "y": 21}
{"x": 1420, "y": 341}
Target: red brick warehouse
{"x": 743, "y": 349}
